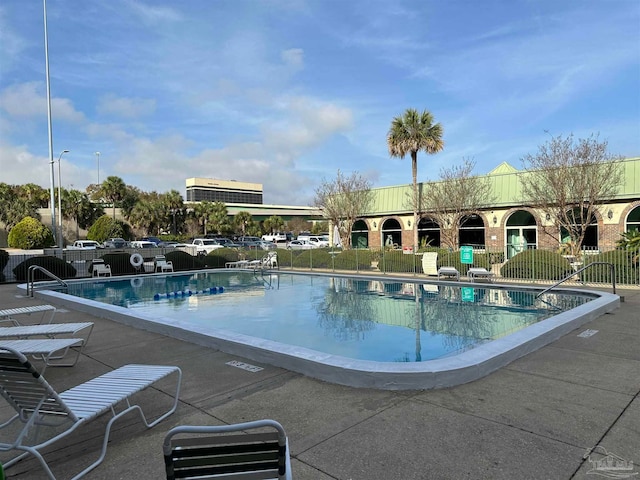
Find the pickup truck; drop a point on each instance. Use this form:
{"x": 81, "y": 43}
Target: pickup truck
{"x": 274, "y": 237}
{"x": 205, "y": 245}
{"x": 84, "y": 245}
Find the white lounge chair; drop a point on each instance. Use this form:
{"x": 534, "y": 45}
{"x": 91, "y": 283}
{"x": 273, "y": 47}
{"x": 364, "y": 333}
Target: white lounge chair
{"x": 38, "y": 405}
{"x": 8, "y": 315}
{"x": 100, "y": 269}
{"x": 50, "y": 350}
{"x": 223, "y": 452}
{"x": 161, "y": 264}
{"x": 430, "y": 263}
{"x": 479, "y": 273}
{"x": 50, "y": 330}
{"x": 449, "y": 272}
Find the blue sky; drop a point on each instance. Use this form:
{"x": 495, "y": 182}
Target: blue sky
{"x": 286, "y": 92}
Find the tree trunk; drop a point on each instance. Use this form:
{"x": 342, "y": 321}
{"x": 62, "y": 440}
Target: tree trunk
{"x": 414, "y": 173}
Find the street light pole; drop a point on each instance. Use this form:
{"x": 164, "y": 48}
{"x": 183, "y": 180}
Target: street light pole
{"x": 98, "y": 156}
{"x": 52, "y": 202}
{"x": 60, "y": 201}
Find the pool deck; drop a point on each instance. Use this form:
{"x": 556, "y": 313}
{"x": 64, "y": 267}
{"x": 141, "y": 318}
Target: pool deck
{"x": 536, "y": 418}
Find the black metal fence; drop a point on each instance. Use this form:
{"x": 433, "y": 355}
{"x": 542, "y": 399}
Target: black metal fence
{"x": 530, "y": 266}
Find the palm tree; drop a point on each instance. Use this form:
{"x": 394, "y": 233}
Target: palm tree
{"x": 173, "y": 205}
{"x": 114, "y": 190}
{"x": 411, "y": 133}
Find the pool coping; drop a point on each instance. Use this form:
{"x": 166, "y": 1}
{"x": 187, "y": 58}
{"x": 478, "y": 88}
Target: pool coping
{"x": 439, "y": 373}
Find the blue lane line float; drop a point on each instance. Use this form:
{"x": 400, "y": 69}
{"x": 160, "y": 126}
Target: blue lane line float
{"x": 188, "y": 293}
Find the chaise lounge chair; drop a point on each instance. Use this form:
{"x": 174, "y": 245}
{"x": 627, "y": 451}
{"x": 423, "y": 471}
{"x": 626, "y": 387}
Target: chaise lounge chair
{"x": 49, "y": 331}
{"x": 50, "y": 350}
{"x": 212, "y": 454}
{"x": 38, "y": 405}
{"x": 449, "y": 272}
{"x": 8, "y": 315}
{"x": 477, "y": 273}
{"x": 430, "y": 263}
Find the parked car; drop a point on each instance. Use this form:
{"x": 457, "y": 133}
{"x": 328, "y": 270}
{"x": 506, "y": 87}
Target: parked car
{"x": 143, "y": 244}
{"x": 274, "y": 237}
{"x": 227, "y": 243}
{"x": 318, "y": 241}
{"x": 264, "y": 245}
{"x": 84, "y": 245}
{"x": 205, "y": 245}
{"x": 155, "y": 240}
{"x": 300, "y": 245}
{"x": 115, "y": 243}
{"x": 249, "y": 244}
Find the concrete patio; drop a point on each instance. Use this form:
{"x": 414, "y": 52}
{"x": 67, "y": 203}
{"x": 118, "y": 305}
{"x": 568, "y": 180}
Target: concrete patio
{"x": 548, "y": 415}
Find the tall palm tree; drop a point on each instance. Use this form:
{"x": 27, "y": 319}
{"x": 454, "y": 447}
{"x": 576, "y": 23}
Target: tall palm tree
{"x": 114, "y": 190}
{"x": 411, "y": 133}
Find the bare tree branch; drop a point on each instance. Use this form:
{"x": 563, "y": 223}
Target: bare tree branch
{"x": 454, "y": 196}
{"x": 567, "y": 179}
{"x": 343, "y": 200}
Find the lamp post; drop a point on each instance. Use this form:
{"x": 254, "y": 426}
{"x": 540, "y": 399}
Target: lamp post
{"x": 52, "y": 202}
{"x": 98, "y": 157}
{"x": 60, "y": 201}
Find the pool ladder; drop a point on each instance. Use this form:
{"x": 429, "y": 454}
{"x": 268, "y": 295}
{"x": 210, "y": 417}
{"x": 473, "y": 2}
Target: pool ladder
{"x": 613, "y": 276}
{"x": 31, "y": 280}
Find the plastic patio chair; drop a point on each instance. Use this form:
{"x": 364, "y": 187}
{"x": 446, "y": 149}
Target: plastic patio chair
{"x": 161, "y": 264}
{"x": 38, "y": 405}
{"x": 225, "y": 452}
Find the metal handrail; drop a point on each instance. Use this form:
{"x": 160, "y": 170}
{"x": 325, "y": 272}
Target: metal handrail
{"x": 613, "y": 276}
{"x": 31, "y": 281}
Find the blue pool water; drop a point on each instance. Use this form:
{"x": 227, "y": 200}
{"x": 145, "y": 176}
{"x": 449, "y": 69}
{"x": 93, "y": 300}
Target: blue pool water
{"x": 384, "y": 321}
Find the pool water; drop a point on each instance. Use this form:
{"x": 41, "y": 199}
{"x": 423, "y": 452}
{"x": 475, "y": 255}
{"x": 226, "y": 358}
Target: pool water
{"x": 384, "y": 321}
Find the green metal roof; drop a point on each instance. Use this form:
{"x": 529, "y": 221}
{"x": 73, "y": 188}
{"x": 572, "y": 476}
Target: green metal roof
{"x": 505, "y": 184}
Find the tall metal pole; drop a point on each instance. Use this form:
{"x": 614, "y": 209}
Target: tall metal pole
{"x": 52, "y": 201}
{"x": 60, "y": 242}
{"x": 98, "y": 155}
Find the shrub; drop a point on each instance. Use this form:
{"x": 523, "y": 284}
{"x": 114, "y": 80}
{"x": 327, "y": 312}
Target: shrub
{"x": 537, "y": 264}
{"x": 217, "y": 258}
{"x": 355, "y": 259}
{"x": 106, "y": 227}
{"x": 30, "y": 233}
{"x": 55, "y": 265}
{"x": 624, "y": 261}
{"x": 396, "y": 261}
{"x": 315, "y": 258}
{"x": 184, "y": 261}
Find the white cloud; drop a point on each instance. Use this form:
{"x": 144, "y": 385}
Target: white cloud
{"x": 28, "y": 100}
{"x": 126, "y": 107}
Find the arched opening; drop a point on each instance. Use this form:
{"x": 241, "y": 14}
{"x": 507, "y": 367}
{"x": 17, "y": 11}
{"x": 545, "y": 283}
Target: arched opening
{"x": 360, "y": 234}
{"x": 391, "y": 233}
{"x": 590, "y": 240}
{"x": 428, "y": 233}
{"x": 521, "y": 233}
{"x": 633, "y": 220}
{"x": 471, "y": 232}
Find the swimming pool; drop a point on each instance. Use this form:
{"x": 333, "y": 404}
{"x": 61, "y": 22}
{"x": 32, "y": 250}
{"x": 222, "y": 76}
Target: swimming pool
{"x": 382, "y": 332}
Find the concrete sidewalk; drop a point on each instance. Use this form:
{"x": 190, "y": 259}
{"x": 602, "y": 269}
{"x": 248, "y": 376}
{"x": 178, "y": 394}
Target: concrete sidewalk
{"x": 537, "y": 418}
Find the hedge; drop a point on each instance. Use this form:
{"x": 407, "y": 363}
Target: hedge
{"x": 624, "y": 261}
{"x": 55, "y": 265}
{"x": 537, "y": 264}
